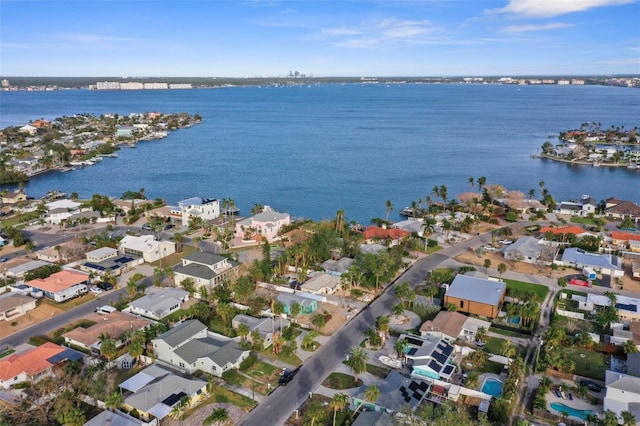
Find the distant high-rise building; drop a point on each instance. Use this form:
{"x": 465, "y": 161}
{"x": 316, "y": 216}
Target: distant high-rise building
{"x": 5, "y": 83}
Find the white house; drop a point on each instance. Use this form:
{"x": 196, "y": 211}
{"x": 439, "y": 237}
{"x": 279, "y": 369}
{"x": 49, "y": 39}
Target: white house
{"x": 452, "y": 325}
{"x": 204, "y": 208}
{"x": 582, "y": 208}
{"x": 430, "y": 357}
{"x": 14, "y": 305}
{"x": 205, "y": 269}
{"x": 159, "y": 302}
{"x": 189, "y": 346}
{"x": 59, "y": 210}
{"x": 622, "y": 394}
{"x": 266, "y": 224}
{"x": 146, "y": 247}
{"x": 606, "y": 264}
{"x": 264, "y": 326}
{"x": 322, "y": 283}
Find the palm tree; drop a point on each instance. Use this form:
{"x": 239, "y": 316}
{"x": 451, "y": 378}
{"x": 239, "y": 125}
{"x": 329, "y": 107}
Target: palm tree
{"x": 470, "y": 180}
{"x": 114, "y": 400}
{"x": 357, "y": 361}
{"x": 219, "y": 416}
{"x": 401, "y": 346}
{"x": 628, "y": 419}
{"x": 338, "y": 402}
{"x": 481, "y": 334}
{"x": 481, "y": 182}
{"x": 108, "y": 348}
{"x": 508, "y": 349}
{"x": 243, "y": 331}
{"x": 371, "y": 394}
{"x": 315, "y": 411}
{"x": 389, "y": 207}
{"x": 629, "y": 347}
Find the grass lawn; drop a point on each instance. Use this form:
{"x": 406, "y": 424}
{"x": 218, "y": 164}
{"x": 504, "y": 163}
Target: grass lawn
{"x": 540, "y": 291}
{"x": 508, "y": 332}
{"x": 588, "y": 221}
{"x": 493, "y": 345}
{"x": 291, "y": 359}
{"x": 433, "y": 249}
{"x": 7, "y": 353}
{"x": 174, "y": 258}
{"x": 591, "y": 365}
{"x": 222, "y": 395}
{"x": 340, "y": 381}
{"x": 301, "y": 417}
{"x": 378, "y": 371}
{"x": 486, "y": 367}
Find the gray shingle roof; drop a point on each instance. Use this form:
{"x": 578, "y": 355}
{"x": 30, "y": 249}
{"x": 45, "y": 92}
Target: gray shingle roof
{"x": 219, "y": 352}
{"x": 205, "y": 258}
{"x": 581, "y": 257}
{"x": 477, "y": 290}
{"x": 181, "y": 332}
{"x": 159, "y": 301}
{"x": 526, "y": 246}
{"x": 196, "y": 270}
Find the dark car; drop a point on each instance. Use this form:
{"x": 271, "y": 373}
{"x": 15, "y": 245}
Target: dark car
{"x": 104, "y": 286}
{"x": 591, "y": 386}
{"x": 4, "y": 259}
{"x": 286, "y": 377}
{"x": 168, "y": 226}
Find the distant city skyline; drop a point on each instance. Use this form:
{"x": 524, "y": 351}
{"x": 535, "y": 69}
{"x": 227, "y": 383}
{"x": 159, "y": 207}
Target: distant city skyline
{"x": 265, "y": 38}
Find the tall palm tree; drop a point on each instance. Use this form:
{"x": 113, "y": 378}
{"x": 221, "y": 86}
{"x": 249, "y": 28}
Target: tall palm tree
{"x": 357, "y": 361}
{"x": 371, "y": 394}
{"x": 481, "y": 182}
{"x": 338, "y": 402}
{"x": 470, "y": 180}
{"x": 114, "y": 400}
{"x": 628, "y": 419}
{"x": 219, "y": 416}
{"x": 401, "y": 346}
{"x": 389, "y": 207}
{"x": 508, "y": 349}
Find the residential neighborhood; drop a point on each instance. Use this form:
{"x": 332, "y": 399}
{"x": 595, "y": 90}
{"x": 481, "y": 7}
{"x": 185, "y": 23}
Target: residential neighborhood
{"x": 504, "y": 311}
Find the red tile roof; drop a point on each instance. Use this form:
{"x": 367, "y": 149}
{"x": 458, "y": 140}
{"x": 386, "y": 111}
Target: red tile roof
{"x": 59, "y": 281}
{"x": 32, "y": 362}
{"x": 575, "y": 230}
{"x": 625, "y": 236}
{"x": 373, "y": 232}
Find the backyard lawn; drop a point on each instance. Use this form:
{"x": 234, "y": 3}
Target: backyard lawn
{"x": 340, "y": 381}
{"x": 540, "y": 291}
{"x": 588, "y": 363}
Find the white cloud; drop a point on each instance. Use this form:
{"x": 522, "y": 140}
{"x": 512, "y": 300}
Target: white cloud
{"x": 541, "y": 27}
{"x": 550, "y": 8}
{"x": 380, "y": 33}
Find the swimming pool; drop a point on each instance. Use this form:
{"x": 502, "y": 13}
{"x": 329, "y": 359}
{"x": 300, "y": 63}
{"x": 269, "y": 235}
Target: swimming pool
{"x": 492, "y": 387}
{"x": 581, "y": 414}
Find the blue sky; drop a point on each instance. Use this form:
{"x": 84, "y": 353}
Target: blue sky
{"x": 319, "y": 38}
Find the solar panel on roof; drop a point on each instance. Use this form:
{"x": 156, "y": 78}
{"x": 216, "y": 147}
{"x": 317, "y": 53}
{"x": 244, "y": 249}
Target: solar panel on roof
{"x": 412, "y": 351}
{"x": 440, "y": 357}
{"x": 417, "y": 396}
{"x": 413, "y": 386}
{"x": 434, "y": 365}
{"x": 415, "y": 342}
{"x": 172, "y": 399}
{"x": 423, "y": 386}
{"x": 447, "y": 351}
{"x": 448, "y": 369}
{"x": 407, "y": 398}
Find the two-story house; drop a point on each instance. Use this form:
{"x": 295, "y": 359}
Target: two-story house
{"x": 266, "y": 224}
{"x": 205, "y": 269}
{"x": 204, "y": 208}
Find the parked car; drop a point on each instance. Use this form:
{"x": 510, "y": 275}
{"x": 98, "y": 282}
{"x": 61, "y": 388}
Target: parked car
{"x": 4, "y": 259}
{"x": 286, "y": 377}
{"x": 506, "y": 242}
{"x": 104, "y": 286}
{"x": 168, "y": 226}
{"x": 96, "y": 290}
{"x": 591, "y": 385}
{"x": 146, "y": 227}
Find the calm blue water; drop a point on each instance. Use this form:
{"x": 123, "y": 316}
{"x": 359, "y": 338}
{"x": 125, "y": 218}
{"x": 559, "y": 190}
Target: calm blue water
{"x": 492, "y": 387}
{"x": 581, "y": 414}
{"x": 314, "y": 150}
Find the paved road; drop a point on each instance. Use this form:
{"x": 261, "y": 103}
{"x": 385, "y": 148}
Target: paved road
{"x": 276, "y": 408}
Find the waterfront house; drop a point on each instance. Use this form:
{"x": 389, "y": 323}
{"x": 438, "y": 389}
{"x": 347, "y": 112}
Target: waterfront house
{"x": 263, "y": 326}
{"x": 14, "y": 305}
{"x": 159, "y": 302}
{"x": 389, "y": 236}
{"x": 189, "y": 346}
{"x": 28, "y": 129}
{"x": 13, "y": 197}
{"x": 453, "y": 325}
{"x": 18, "y": 271}
{"x": 60, "y": 210}
{"x": 62, "y": 286}
{"x": 205, "y": 269}
{"x": 628, "y": 308}
{"x": 105, "y": 259}
{"x": 204, "y": 208}
{"x": 622, "y": 394}
{"x": 262, "y": 225}
{"x": 146, "y": 247}
{"x": 34, "y": 364}
{"x": 477, "y": 296}
{"x": 154, "y": 392}
{"x": 624, "y": 209}
{"x": 583, "y": 208}
{"x": 564, "y": 231}
{"x": 115, "y": 324}
{"x": 606, "y": 264}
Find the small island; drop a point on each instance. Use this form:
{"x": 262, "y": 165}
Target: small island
{"x": 79, "y": 140}
{"x": 596, "y": 146}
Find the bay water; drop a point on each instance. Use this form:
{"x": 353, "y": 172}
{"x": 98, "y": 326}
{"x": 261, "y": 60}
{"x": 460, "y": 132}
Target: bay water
{"x": 311, "y": 150}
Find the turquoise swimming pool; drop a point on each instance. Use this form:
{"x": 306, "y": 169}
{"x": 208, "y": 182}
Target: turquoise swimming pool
{"x": 581, "y": 414}
{"x": 492, "y": 387}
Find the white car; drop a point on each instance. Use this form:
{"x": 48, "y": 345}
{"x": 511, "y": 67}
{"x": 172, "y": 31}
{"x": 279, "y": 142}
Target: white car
{"x": 96, "y": 290}
{"x": 506, "y": 242}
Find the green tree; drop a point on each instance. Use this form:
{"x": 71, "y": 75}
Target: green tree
{"x": 389, "y": 207}
{"x": 219, "y": 416}
{"x": 114, "y": 400}
{"x": 315, "y": 411}
{"x": 629, "y": 347}
{"x": 357, "y": 361}
{"x": 243, "y": 331}
{"x": 481, "y": 335}
{"x": 507, "y": 349}
{"x": 628, "y": 419}
{"x": 502, "y": 268}
{"x": 487, "y": 263}
{"x": 401, "y": 346}
{"x": 319, "y": 321}
{"x": 72, "y": 417}
{"x": 295, "y": 309}
{"x": 108, "y": 349}
{"x": 339, "y": 402}
{"x": 371, "y": 394}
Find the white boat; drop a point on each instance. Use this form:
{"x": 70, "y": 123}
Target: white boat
{"x": 390, "y": 362}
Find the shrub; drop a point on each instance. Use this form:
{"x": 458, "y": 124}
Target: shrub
{"x": 511, "y": 216}
{"x": 249, "y": 362}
